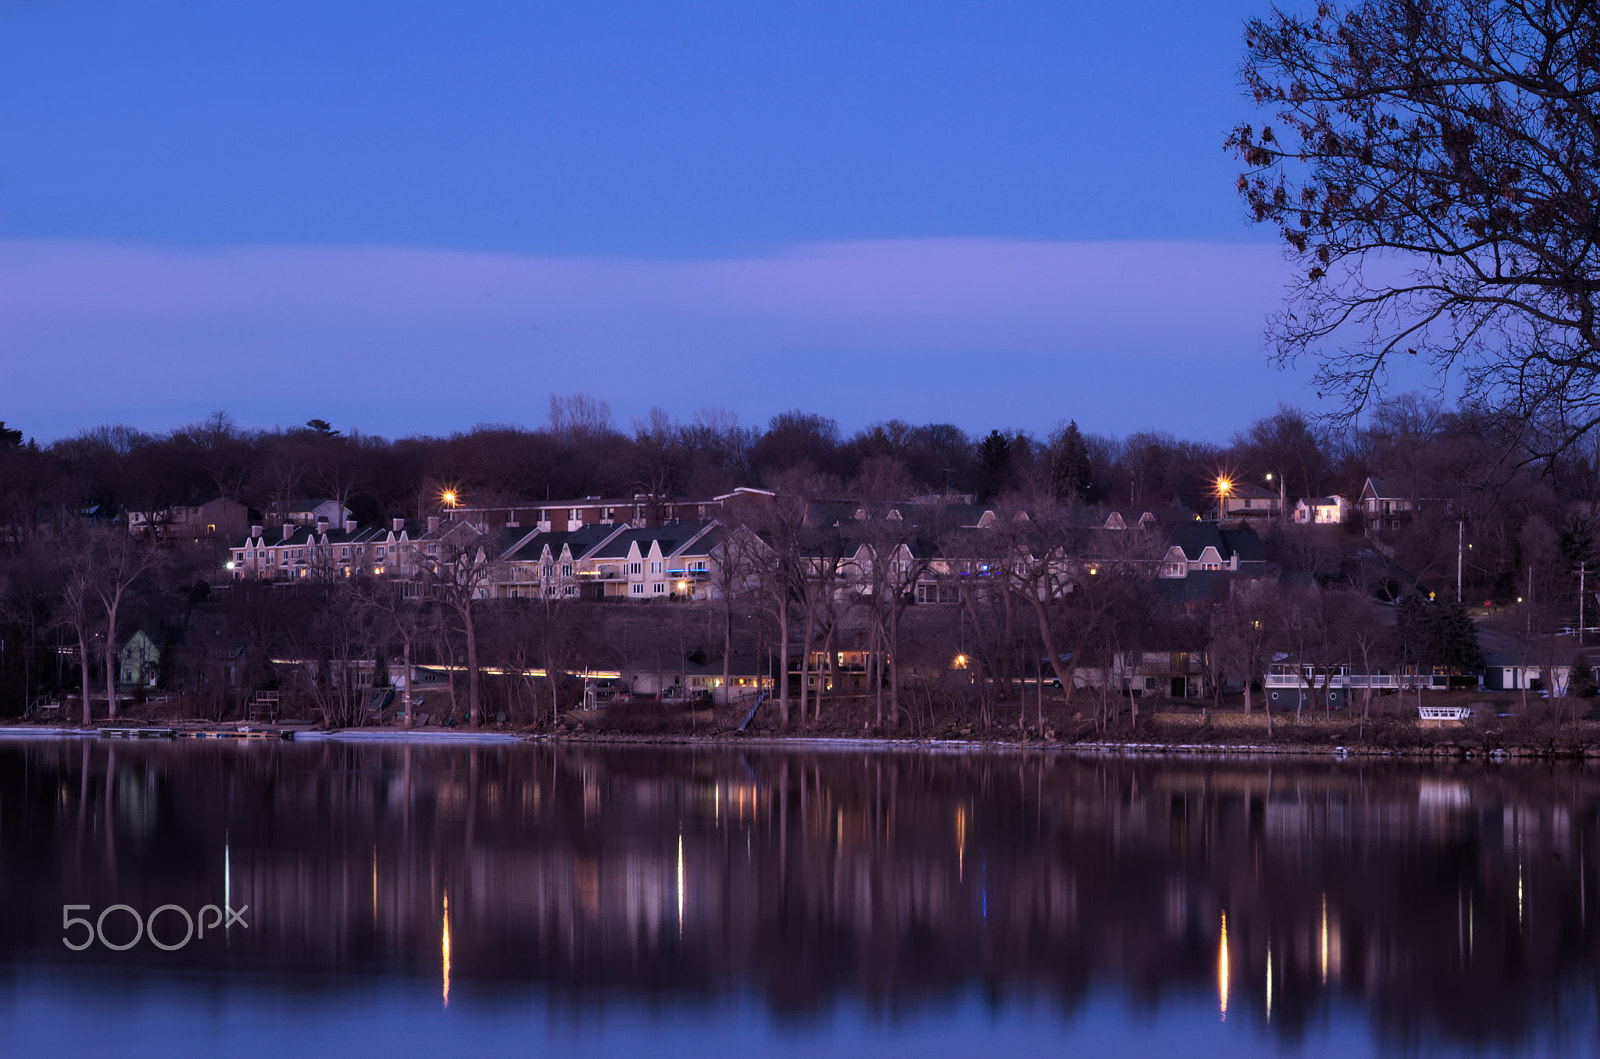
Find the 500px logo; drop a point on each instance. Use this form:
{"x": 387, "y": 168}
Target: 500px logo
{"x": 96, "y": 930}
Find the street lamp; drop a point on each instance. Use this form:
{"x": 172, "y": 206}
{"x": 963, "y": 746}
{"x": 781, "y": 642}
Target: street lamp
{"x": 1283, "y": 494}
{"x": 1224, "y": 487}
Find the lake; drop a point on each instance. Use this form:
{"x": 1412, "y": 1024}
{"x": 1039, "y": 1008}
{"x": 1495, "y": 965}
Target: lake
{"x": 428, "y": 898}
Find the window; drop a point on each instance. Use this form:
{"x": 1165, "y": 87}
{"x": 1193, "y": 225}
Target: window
{"x": 571, "y": 590}
{"x": 698, "y": 564}
{"x": 633, "y": 568}
{"x": 344, "y": 552}
{"x": 566, "y": 569}
{"x": 572, "y": 513}
{"x": 655, "y": 566}
{"x": 660, "y": 587}
{"x": 549, "y": 571}
{"x": 637, "y": 590}
{"x": 378, "y": 552}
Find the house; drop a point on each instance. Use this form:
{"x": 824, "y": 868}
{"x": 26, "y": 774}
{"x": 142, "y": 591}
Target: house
{"x": 558, "y": 516}
{"x": 138, "y": 662}
{"x": 218, "y": 519}
{"x": 634, "y": 564}
{"x": 1515, "y": 671}
{"x": 1321, "y": 510}
{"x": 1148, "y": 674}
{"x": 545, "y": 564}
{"x": 1289, "y": 683}
{"x": 1200, "y": 546}
{"x": 1386, "y": 503}
{"x": 1245, "y": 500}
{"x": 308, "y": 512}
{"x": 324, "y": 552}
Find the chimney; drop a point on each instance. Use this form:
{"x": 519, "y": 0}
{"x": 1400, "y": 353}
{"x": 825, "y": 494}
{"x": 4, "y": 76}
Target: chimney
{"x": 322, "y": 524}
{"x": 288, "y": 530}
{"x": 349, "y": 525}
{"x": 398, "y": 524}
{"x": 255, "y": 531}
{"x": 433, "y": 523}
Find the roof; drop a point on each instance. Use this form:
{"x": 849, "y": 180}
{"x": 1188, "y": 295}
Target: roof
{"x": 671, "y": 537}
{"x": 1385, "y": 488}
{"x": 579, "y": 541}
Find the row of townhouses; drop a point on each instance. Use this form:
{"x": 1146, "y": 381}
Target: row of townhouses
{"x": 941, "y": 549}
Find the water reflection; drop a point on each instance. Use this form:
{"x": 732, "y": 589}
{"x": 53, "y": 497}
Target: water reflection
{"x": 1439, "y": 906}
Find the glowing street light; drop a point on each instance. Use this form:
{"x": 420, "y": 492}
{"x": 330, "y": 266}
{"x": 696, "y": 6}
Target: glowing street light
{"x": 449, "y": 497}
{"x": 1224, "y": 487}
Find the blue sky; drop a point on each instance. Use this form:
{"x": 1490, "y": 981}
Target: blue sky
{"x": 413, "y": 218}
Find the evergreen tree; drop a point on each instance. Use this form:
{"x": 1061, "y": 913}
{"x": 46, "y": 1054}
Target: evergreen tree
{"x": 1071, "y": 476}
{"x": 1437, "y": 632}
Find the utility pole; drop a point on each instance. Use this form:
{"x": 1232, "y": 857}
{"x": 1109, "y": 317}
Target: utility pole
{"x": 1529, "y": 607}
{"x": 1461, "y": 536}
{"x": 1583, "y": 569}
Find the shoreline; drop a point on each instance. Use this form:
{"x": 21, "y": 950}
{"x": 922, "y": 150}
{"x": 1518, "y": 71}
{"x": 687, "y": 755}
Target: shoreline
{"x": 1547, "y": 749}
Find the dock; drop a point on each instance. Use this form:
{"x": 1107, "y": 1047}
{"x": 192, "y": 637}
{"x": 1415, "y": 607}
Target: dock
{"x": 240, "y": 732}
{"x": 138, "y": 733}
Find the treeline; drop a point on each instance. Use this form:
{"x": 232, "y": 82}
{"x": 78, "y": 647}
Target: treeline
{"x": 580, "y": 451}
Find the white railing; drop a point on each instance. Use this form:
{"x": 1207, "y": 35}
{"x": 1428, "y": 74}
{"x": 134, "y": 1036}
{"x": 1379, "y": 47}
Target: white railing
{"x": 1358, "y": 681}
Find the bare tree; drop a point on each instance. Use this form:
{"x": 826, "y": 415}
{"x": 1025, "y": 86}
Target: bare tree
{"x": 455, "y": 572}
{"x": 120, "y": 560}
{"x": 397, "y": 604}
{"x": 1430, "y": 165}
{"x": 1241, "y": 630}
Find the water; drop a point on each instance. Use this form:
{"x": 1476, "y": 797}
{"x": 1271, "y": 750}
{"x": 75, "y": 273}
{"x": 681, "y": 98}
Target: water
{"x": 426, "y": 899}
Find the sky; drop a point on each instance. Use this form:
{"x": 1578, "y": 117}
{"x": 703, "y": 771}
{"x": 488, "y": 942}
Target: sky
{"x": 413, "y": 218}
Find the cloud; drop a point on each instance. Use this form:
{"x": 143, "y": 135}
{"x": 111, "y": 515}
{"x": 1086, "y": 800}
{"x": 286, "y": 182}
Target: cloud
{"x": 1123, "y": 336}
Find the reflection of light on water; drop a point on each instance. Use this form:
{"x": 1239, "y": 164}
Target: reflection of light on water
{"x": 444, "y": 949}
{"x": 680, "y": 884}
{"x": 1222, "y": 969}
{"x": 1324, "y": 950}
{"x": 1519, "y": 893}
{"x": 961, "y": 843}
{"x": 1269, "y": 979}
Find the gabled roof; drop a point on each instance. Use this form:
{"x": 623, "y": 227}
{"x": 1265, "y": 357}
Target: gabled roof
{"x": 670, "y": 538}
{"x": 579, "y": 541}
{"x": 1385, "y": 489}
